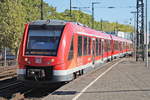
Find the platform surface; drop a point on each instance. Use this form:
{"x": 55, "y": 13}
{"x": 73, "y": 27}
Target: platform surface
{"x": 126, "y": 80}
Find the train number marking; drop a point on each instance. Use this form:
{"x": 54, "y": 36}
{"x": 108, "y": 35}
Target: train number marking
{"x": 38, "y": 60}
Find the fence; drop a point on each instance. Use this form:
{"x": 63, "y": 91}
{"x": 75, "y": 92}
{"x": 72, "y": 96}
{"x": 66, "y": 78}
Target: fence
{"x": 8, "y": 63}
{"x": 8, "y": 57}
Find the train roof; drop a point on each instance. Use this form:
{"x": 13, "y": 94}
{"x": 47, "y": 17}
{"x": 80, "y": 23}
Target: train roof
{"x": 83, "y": 30}
{"x": 48, "y": 22}
{"x": 54, "y": 22}
{"x": 99, "y": 35}
{"x": 87, "y": 31}
{"x": 117, "y": 38}
{"x": 104, "y": 35}
{"x": 120, "y": 39}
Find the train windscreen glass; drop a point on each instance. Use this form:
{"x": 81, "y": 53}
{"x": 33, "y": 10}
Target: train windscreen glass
{"x": 43, "y": 40}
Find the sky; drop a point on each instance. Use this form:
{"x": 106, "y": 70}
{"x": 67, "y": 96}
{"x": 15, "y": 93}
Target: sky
{"x": 121, "y": 13}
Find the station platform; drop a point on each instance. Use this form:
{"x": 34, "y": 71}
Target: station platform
{"x": 123, "y": 80}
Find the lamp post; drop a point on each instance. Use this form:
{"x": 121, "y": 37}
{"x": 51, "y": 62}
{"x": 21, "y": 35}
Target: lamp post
{"x": 134, "y": 36}
{"x": 146, "y": 35}
{"x": 101, "y": 24}
{"x": 93, "y": 3}
{"x": 70, "y": 8}
{"x": 42, "y": 10}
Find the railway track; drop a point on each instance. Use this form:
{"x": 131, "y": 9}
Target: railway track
{"x": 13, "y": 89}
{"x": 14, "y": 83}
{"x": 6, "y": 87}
{"x": 7, "y": 72}
{"x": 16, "y": 90}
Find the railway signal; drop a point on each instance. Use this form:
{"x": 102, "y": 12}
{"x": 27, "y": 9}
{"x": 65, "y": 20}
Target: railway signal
{"x": 140, "y": 30}
{"x": 93, "y": 3}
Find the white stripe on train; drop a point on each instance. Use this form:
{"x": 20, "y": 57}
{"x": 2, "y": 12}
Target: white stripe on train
{"x": 69, "y": 71}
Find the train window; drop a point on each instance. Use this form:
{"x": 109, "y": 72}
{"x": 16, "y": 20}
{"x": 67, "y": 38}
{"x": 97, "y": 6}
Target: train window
{"x": 85, "y": 46}
{"x": 89, "y": 45}
{"x": 79, "y": 45}
{"x": 43, "y": 41}
{"x": 121, "y": 46}
{"x": 97, "y": 46}
{"x": 131, "y": 46}
{"x": 128, "y": 46}
{"x": 125, "y": 45}
{"x": 100, "y": 47}
{"x": 108, "y": 45}
{"x": 104, "y": 46}
{"x": 71, "y": 50}
{"x": 116, "y": 45}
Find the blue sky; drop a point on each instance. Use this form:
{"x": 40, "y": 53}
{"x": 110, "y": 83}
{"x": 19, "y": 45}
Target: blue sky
{"x": 121, "y": 12}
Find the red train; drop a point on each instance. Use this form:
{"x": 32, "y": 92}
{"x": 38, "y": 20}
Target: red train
{"x": 56, "y": 51}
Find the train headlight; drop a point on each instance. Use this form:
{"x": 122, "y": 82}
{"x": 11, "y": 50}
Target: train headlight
{"x": 52, "y": 60}
{"x": 25, "y": 59}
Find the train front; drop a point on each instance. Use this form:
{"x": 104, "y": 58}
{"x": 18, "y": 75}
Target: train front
{"x": 38, "y": 51}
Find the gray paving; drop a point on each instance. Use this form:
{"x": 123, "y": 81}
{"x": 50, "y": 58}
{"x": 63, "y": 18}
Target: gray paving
{"x": 129, "y": 80}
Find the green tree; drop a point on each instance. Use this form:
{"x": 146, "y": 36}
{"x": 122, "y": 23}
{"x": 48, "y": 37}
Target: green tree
{"x": 15, "y": 13}
{"x": 11, "y": 22}
{"x": 31, "y": 9}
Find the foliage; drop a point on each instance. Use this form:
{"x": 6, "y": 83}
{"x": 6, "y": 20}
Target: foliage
{"x": 15, "y": 13}
{"x": 11, "y": 22}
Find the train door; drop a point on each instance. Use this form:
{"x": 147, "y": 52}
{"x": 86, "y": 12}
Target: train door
{"x": 106, "y": 49}
{"x": 93, "y": 51}
{"x": 112, "y": 48}
{"x": 75, "y": 48}
{"x": 121, "y": 49}
{"x": 102, "y": 48}
{"x": 80, "y": 51}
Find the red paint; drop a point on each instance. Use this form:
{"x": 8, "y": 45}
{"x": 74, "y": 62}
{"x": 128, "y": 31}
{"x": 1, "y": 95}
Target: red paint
{"x": 61, "y": 61}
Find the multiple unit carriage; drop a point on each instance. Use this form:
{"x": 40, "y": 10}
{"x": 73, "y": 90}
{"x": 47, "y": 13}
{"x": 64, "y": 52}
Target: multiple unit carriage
{"x": 56, "y": 51}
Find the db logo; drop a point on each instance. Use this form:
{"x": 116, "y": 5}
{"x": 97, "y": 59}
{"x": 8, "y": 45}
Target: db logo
{"x": 38, "y": 60}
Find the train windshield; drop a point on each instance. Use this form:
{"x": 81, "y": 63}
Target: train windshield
{"x": 43, "y": 40}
